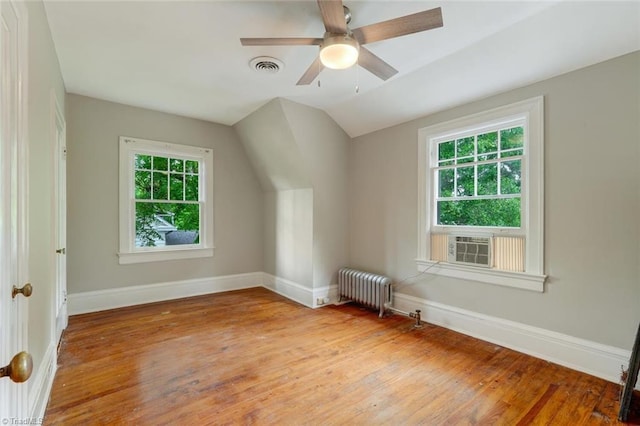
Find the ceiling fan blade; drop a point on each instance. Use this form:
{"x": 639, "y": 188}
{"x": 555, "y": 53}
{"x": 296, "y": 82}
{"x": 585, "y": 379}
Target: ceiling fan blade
{"x": 375, "y": 65}
{"x": 280, "y": 41}
{"x": 333, "y": 16}
{"x": 409, "y": 24}
{"x": 311, "y": 73}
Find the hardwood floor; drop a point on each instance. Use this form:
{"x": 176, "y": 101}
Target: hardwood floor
{"x": 254, "y": 357}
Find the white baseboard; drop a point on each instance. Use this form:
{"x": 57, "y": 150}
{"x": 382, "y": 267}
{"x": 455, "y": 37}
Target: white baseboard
{"x": 308, "y": 297}
{"x": 93, "y": 301}
{"x": 328, "y": 294}
{"x": 42, "y": 383}
{"x": 579, "y": 354}
{"x": 100, "y": 300}
{"x": 289, "y": 289}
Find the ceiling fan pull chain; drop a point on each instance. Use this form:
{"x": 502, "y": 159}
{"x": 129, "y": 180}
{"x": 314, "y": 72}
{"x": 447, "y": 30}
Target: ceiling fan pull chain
{"x": 357, "y": 77}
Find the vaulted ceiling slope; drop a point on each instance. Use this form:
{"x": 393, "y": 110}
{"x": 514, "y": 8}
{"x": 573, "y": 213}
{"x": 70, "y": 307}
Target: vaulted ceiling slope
{"x": 186, "y": 58}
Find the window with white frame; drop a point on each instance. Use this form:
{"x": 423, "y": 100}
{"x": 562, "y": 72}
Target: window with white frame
{"x": 481, "y": 197}
{"x": 166, "y": 201}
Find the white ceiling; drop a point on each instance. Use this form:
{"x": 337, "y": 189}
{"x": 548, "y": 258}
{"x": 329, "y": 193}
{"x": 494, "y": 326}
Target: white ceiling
{"x": 185, "y": 57}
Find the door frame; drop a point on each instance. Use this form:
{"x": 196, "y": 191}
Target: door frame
{"x": 59, "y": 208}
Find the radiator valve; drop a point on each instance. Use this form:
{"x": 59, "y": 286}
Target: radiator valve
{"x": 416, "y": 315}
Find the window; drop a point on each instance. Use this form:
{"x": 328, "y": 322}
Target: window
{"x": 481, "y": 197}
{"x": 166, "y": 201}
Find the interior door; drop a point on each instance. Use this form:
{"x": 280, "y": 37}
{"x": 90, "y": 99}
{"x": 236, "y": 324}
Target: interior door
{"x": 16, "y": 363}
{"x": 60, "y": 209}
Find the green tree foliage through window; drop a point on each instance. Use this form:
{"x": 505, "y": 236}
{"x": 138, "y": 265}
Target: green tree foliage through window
{"x": 166, "y": 198}
{"x": 480, "y": 178}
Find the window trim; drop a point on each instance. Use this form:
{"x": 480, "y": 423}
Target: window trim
{"x": 532, "y": 196}
{"x": 128, "y": 253}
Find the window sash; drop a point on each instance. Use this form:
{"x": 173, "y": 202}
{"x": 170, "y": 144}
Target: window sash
{"x": 165, "y": 200}
{"x": 153, "y": 171}
{"x": 435, "y": 188}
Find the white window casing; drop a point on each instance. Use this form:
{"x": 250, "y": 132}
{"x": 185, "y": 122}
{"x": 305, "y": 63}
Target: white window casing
{"x": 530, "y": 235}
{"x": 128, "y": 252}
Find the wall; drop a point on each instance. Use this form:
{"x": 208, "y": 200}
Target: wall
{"x": 273, "y": 149}
{"x": 300, "y": 155}
{"x": 592, "y": 206}
{"x": 289, "y": 234}
{"x": 92, "y": 175}
{"x": 324, "y": 148}
{"x": 276, "y": 158}
{"x": 44, "y": 82}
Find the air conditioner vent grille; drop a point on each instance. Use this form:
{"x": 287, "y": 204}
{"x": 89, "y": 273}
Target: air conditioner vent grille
{"x": 470, "y": 250}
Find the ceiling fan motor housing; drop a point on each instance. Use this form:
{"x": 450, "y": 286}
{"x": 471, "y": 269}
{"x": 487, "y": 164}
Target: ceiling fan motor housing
{"x": 339, "y": 51}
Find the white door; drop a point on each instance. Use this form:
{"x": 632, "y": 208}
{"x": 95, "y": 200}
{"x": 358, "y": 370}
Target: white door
{"x": 13, "y": 210}
{"x": 60, "y": 209}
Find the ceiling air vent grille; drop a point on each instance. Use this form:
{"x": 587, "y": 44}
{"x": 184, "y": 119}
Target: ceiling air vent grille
{"x": 266, "y": 65}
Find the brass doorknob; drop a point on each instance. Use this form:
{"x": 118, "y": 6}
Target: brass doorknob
{"x": 25, "y": 291}
{"x": 19, "y": 369}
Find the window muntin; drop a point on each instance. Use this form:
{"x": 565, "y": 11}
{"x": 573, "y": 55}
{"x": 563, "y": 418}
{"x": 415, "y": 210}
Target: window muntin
{"x": 166, "y": 201}
{"x": 478, "y": 177}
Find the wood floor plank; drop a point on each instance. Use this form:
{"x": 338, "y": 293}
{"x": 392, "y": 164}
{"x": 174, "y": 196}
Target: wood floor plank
{"x": 254, "y": 357}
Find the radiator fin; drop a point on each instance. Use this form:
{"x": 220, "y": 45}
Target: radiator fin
{"x": 365, "y": 288}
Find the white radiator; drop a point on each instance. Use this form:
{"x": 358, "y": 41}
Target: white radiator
{"x": 365, "y": 288}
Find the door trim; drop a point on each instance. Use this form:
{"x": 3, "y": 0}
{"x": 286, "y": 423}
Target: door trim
{"x": 58, "y": 200}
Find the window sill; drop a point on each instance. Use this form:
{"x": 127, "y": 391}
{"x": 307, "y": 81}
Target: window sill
{"x": 519, "y": 280}
{"x": 160, "y": 256}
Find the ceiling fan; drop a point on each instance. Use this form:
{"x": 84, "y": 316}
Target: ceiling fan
{"x": 341, "y": 47}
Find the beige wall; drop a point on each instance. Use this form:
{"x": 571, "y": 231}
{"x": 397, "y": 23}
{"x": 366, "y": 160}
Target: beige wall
{"x": 272, "y": 148}
{"x": 92, "y": 140}
{"x": 592, "y": 207}
{"x": 300, "y": 155}
{"x": 275, "y": 156}
{"x": 324, "y": 146}
{"x": 44, "y": 81}
{"x": 289, "y": 235}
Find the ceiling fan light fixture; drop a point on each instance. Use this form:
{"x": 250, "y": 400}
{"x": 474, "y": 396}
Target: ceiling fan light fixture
{"x": 339, "y": 51}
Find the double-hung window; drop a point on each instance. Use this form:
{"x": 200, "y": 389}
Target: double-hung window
{"x": 166, "y": 201}
{"x": 481, "y": 197}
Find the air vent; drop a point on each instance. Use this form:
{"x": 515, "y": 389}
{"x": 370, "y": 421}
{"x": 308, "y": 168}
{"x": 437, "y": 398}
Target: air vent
{"x": 266, "y": 65}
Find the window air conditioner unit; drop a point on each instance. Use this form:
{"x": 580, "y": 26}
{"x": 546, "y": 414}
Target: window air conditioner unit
{"x": 470, "y": 250}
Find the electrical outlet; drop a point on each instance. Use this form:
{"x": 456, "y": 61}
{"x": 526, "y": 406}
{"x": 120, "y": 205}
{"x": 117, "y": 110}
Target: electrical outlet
{"x": 320, "y": 301}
